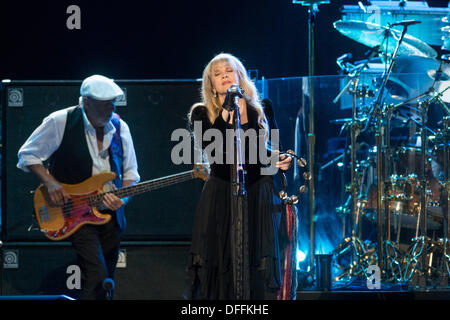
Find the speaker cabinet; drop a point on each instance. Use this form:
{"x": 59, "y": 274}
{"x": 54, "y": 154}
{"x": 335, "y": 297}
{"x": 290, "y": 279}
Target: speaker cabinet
{"x": 152, "y": 272}
{"x": 34, "y": 269}
{"x": 152, "y": 109}
{"x": 145, "y": 270}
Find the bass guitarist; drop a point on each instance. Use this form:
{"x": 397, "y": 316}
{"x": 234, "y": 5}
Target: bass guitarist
{"x": 79, "y": 142}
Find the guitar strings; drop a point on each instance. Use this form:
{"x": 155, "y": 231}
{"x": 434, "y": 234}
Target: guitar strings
{"x": 77, "y": 204}
{"x": 130, "y": 190}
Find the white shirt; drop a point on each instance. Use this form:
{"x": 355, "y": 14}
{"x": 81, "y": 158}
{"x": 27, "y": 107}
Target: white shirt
{"x": 47, "y": 138}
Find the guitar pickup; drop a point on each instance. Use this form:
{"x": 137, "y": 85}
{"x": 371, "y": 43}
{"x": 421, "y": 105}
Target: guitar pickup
{"x": 43, "y": 214}
{"x": 67, "y": 208}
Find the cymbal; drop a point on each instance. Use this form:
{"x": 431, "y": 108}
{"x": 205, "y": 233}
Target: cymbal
{"x": 372, "y": 35}
{"x": 415, "y": 75}
{"x": 446, "y": 37}
{"x": 438, "y": 76}
{"x": 443, "y": 87}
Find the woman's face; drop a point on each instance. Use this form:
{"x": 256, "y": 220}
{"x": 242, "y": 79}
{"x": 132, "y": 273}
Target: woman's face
{"x": 223, "y": 75}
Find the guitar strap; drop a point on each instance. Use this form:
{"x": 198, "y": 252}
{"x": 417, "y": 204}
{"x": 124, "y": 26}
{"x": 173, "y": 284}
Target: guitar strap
{"x": 116, "y": 152}
{"x": 116, "y": 163}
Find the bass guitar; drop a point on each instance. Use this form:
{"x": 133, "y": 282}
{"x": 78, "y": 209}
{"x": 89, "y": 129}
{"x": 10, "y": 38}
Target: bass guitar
{"x": 59, "y": 222}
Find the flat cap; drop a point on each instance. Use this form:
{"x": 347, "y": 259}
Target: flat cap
{"x": 100, "y": 88}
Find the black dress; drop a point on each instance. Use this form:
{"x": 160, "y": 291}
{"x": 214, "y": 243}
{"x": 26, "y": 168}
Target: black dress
{"x": 210, "y": 270}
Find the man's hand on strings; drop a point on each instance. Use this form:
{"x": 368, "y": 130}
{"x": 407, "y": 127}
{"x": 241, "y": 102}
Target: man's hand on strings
{"x": 112, "y": 202}
{"x": 57, "y": 193}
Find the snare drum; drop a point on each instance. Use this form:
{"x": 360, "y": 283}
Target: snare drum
{"x": 403, "y": 195}
{"x": 400, "y": 194}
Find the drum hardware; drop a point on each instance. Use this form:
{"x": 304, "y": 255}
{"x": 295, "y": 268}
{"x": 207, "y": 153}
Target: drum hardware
{"x": 390, "y": 188}
{"x": 382, "y": 139}
{"x": 403, "y": 266}
{"x": 354, "y": 75}
{"x": 363, "y": 92}
{"x": 422, "y": 187}
{"x": 358, "y": 249}
{"x": 422, "y": 184}
{"x": 428, "y": 247}
{"x": 445, "y": 243}
{"x": 409, "y": 197}
{"x": 443, "y": 136}
{"x": 438, "y": 98}
{"x": 362, "y": 256}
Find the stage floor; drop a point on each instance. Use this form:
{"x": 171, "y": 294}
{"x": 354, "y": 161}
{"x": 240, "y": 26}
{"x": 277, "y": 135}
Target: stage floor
{"x": 358, "y": 290}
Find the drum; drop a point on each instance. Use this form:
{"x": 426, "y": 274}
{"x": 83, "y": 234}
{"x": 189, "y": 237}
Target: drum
{"x": 437, "y": 160}
{"x": 407, "y": 160}
{"x": 400, "y": 194}
{"x": 437, "y": 164}
{"x": 403, "y": 195}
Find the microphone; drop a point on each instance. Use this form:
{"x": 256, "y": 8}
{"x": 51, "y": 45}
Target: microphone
{"x": 232, "y": 97}
{"x": 108, "y": 285}
{"x": 405, "y": 23}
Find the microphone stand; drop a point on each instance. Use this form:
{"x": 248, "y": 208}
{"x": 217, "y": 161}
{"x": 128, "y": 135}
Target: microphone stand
{"x": 313, "y": 8}
{"x": 239, "y": 212}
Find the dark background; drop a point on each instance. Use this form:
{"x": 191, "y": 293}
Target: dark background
{"x": 174, "y": 40}
{"x": 166, "y": 39}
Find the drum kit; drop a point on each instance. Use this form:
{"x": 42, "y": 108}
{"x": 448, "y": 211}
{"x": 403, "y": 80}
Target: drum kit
{"x": 401, "y": 183}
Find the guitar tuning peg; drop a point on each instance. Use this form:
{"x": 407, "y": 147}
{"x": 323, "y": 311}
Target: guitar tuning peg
{"x": 31, "y": 191}
{"x": 307, "y": 176}
{"x": 301, "y": 162}
{"x": 282, "y": 195}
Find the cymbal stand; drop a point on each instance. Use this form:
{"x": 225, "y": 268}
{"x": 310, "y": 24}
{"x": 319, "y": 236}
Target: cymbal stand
{"x": 422, "y": 219}
{"x": 410, "y": 260}
{"x": 444, "y": 199}
{"x": 424, "y": 106}
{"x": 380, "y": 130}
{"x": 417, "y": 252}
{"x": 444, "y": 189}
{"x": 424, "y": 184}
{"x": 358, "y": 249}
{"x": 354, "y": 131}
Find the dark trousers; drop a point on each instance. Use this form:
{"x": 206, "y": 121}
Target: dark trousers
{"x": 97, "y": 248}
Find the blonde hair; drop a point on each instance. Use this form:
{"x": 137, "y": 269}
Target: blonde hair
{"x": 211, "y": 101}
